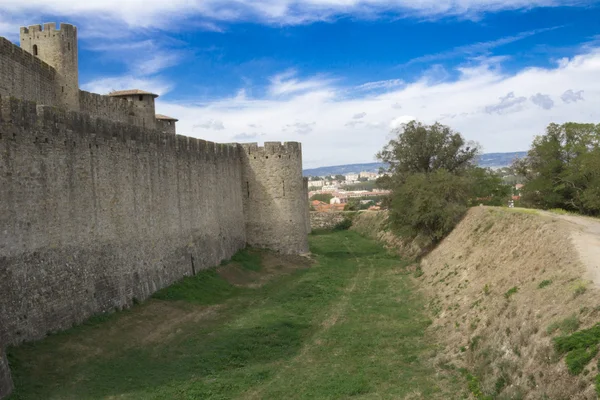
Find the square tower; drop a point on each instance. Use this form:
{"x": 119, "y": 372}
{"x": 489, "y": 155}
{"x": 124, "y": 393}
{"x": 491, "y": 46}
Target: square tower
{"x": 57, "y": 48}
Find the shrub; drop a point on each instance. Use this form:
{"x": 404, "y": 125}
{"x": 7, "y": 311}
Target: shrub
{"x": 418, "y": 272}
{"x": 343, "y": 225}
{"x": 429, "y": 204}
{"x": 579, "y": 289}
{"x": 577, "y": 359}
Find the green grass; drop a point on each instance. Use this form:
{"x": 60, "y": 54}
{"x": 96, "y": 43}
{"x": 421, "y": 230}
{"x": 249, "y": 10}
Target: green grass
{"x": 566, "y": 326}
{"x": 352, "y": 325}
{"x": 510, "y": 292}
{"x": 545, "y": 283}
{"x": 249, "y": 259}
{"x": 581, "y": 347}
{"x": 206, "y": 287}
{"x": 578, "y": 359}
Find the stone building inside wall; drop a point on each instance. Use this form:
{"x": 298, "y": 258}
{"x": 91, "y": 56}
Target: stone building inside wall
{"x": 103, "y": 202}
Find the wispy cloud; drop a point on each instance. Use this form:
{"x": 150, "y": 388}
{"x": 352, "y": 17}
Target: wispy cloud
{"x": 106, "y": 85}
{"x": 288, "y": 83}
{"x": 386, "y": 85}
{"x": 210, "y": 13}
{"x": 477, "y": 49}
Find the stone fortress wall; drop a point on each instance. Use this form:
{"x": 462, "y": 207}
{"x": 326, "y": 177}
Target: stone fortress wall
{"x": 25, "y": 76}
{"x": 97, "y": 211}
{"x": 106, "y": 107}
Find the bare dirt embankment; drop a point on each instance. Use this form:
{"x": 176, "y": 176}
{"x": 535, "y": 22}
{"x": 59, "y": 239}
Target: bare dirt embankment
{"x": 501, "y": 286}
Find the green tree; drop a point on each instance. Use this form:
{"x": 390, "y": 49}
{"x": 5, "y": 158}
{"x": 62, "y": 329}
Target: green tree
{"x": 561, "y": 169}
{"x": 429, "y": 204}
{"x": 431, "y": 178}
{"x": 324, "y": 197}
{"x": 420, "y": 148}
{"x": 487, "y": 187}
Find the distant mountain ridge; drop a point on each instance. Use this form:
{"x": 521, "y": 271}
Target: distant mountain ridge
{"x": 490, "y": 160}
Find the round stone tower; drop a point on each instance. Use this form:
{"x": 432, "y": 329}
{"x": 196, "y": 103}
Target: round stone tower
{"x": 57, "y": 48}
{"x": 275, "y": 206}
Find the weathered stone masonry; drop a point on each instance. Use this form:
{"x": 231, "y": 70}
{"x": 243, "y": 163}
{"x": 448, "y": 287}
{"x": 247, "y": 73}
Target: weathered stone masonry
{"x": 96, "y": 211}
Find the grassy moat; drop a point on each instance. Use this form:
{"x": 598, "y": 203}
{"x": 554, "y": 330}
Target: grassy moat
{"x": 350, "y": 324}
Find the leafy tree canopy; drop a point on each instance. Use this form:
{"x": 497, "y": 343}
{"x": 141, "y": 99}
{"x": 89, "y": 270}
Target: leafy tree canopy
{"x": 434, "y": 178}
{"x": 420, "y": 148}
{"x": 562, "y": 169}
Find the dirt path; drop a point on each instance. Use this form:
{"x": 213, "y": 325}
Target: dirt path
{"x": 585, "y": 234}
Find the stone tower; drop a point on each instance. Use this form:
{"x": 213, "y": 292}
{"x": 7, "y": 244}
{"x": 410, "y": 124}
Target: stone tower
{"x": 57, "y": 48}
{"x": 143, "y": 106}
{"x": 166, "y": 124}
{"x": 275, "y": 202}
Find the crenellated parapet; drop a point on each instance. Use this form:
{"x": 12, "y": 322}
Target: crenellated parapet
{"x": 50, "y": 126}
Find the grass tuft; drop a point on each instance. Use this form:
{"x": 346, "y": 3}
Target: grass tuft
{"x": 545, "y": 283}
{"x": 510, "y": 292}
{"x": 566, "y": 326}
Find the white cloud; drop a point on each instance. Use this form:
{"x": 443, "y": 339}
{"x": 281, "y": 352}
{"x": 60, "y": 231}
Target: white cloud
{"x": 209, "y": 13}
{"x": 360, "y": 115}
{"x": 287, "y": 83}
{"x": 387, "y": 84}
{"x": 213, "y": 124}
{"x": 244, "y": 137}
{"x": 398, "y": 122}
{"x": 106, "y": 85}
{"x": 318, "y": 117}
{"x": 301, "y": 128}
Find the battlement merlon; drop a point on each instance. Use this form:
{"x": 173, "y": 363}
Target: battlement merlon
{"x": 48, "y": 27}
{"x": 273, "y": 148}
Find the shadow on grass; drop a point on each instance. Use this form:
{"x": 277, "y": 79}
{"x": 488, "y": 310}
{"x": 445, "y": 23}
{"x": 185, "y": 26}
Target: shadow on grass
{"x": 190, "y": 358}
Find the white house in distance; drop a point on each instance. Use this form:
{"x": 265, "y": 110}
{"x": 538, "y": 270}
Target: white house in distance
{"x": 338, "y": 200}
{"x": 369, "y": 175}
{"x": 351, "y": 177}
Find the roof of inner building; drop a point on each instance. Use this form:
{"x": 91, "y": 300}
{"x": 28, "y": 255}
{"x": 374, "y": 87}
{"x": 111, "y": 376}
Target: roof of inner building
{"x": 165, "y": 118}
{"x": 131, "y": 92}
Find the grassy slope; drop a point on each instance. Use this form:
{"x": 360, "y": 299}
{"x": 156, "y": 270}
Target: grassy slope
{"x": 349, "y": 326}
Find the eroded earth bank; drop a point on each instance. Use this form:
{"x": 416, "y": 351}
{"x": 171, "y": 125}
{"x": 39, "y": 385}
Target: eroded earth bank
{"x": 513, "y": 296}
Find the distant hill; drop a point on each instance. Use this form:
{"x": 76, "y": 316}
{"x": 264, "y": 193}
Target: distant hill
{"x": 490, "y": 160}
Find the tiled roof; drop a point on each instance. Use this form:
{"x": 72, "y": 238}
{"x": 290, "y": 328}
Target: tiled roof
{"x": 165, "y": 118}
{"x": 131, "y": 92}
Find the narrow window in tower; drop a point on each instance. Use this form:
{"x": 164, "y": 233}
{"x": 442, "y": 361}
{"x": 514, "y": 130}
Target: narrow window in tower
{"x": 248, "y": 188}
{"x": 69, "y": 46}
{"x": 63, "y": 88}
{"x": 141, "y": 97}
{"x": 35, "y": 50}
{"x": 283, "y": 185}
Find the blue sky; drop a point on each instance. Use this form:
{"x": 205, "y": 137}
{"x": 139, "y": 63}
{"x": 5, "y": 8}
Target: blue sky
{"x": 340, "y": 75}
